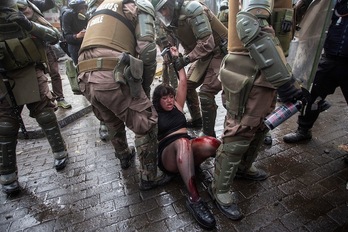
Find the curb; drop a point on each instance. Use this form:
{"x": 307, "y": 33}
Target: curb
{"x": 38, "y": 133}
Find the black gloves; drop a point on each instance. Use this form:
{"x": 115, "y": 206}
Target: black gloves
{"x": 289, "y": 93}
{"x": 181, "y": 62}
{"x": 20, "y": 19}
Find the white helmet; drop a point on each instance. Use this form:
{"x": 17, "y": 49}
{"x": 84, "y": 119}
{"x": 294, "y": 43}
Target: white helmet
{"x": 224, "y": 3}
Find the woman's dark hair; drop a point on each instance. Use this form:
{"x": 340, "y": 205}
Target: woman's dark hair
{"x": 160, "y": 91}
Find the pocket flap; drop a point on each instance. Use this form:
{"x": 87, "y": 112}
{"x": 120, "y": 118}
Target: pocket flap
{"x": 232, "y": 81}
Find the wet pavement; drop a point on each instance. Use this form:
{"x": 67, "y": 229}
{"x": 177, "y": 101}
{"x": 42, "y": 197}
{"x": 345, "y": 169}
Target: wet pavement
{"x": 306, "y": 190}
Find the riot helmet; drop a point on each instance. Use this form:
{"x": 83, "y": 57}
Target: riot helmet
{"x": 77, "y": 5}
{"x": 165, "y": 10}
{"x": 223, "y": 5}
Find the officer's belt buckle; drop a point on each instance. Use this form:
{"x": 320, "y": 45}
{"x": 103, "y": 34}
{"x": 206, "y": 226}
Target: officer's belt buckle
{"x": 97, "y": 64}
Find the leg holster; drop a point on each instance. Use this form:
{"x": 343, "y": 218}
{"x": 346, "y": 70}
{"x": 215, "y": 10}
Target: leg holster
{"x": 146, "y": 146}
{"x": 237, "y": 81}
{"x": 226, "y": 165}
{"x": 129, "y": 70}
{"x": 192, "y": 102}
{"x": 209, "y": 108}
{"x": 250, "y": 155}
{"x": 8, "y": 142}
{"x": 48, "y": 122}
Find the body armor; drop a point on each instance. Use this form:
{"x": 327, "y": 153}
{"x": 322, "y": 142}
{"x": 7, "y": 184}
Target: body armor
{"x": 101, "y": 29}
{"x": 202, "y": 24}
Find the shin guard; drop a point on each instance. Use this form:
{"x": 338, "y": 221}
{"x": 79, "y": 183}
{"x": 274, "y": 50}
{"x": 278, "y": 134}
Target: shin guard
{"x": 226, "y": 165}
{"x": 209, "y": 108}
{"x": 8, "y": 143}
{"x": 48, "y": 122}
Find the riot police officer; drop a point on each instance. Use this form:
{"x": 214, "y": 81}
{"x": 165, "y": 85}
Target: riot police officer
{"x": 204, "y": 38}
{"x": 223, "y": 14}
{"x": 23, "y": 82}
{"x": 251, "y": 74}
{"x": 117, "y": 62}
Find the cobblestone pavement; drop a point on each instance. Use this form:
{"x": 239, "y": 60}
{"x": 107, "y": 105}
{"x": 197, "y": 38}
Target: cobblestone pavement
{"x": 306, "y": 190}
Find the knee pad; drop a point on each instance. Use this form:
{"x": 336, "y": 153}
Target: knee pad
{"x": 46, "y": 118}
{"x": 9, "y": 128}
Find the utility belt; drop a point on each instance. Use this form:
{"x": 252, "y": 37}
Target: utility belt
{"x": 97, "y": 64}
{"x": 127, "y": 70}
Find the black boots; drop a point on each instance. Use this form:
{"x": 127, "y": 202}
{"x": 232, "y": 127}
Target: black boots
{"x": 231, "y": 211}
{"x": 10, "y": 183}
{"x": 301, "y": 134}
{"x": 103, "y": 132}
{"x": 12, "y": 188}
{"x": 268, "y": 139}
{"x": 60, "y": 164}
{"x": 201, "y": 213}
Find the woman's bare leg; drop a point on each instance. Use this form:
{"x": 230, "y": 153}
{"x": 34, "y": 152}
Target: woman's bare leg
{"x": 178, "y": 157}
{"x": 203, "y": 148}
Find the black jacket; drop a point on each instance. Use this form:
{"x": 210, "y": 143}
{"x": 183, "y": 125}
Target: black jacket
{"x": 336, "y": 43}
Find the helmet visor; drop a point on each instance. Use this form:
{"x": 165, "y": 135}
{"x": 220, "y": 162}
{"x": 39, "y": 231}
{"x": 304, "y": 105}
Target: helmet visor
{"x": 165, "y": 12}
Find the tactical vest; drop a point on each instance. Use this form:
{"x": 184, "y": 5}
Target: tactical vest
{"x": 17, "y": 47}
{"x": 187, "y": 37}
{"x": 109, "y": 28}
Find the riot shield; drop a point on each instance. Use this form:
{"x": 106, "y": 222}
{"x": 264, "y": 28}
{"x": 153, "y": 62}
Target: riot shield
{"x": 306, "y": 48}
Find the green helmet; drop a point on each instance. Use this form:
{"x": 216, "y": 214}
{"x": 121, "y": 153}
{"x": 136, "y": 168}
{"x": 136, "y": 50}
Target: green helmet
{"x": 164, "y": 10}
{"x": 158, "y": 3}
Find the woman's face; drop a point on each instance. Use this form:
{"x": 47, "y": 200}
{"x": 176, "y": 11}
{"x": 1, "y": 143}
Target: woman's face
{"x": 167, "y": 102}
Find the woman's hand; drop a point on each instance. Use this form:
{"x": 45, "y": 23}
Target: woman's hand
{"x": 174, "y": 51}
